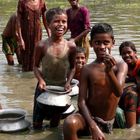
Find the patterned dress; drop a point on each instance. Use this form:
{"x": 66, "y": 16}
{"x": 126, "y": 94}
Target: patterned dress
{"x": 130, "y": 99}
{"x": 31, "y": 31}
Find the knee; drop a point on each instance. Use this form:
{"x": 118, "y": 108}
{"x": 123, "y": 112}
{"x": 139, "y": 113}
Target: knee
{"x": 70, "y": 124}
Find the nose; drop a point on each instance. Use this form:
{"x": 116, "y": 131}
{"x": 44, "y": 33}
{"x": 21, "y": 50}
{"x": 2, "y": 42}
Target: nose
{"x": 102, "y": 46}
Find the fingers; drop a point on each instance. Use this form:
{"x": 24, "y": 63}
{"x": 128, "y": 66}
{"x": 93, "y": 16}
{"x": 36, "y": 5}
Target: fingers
{"x": 110, "y": 59}
{"x": 109, "y": 62}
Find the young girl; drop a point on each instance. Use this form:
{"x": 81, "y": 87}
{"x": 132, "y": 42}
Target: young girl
{"x": 79, "y": 24}
{"x": 130, "y": 99}
{"x": 57, "y": 56}
{"x": 29, "y": 22}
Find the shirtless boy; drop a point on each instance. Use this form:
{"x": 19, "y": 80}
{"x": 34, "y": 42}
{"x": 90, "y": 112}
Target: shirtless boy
{"x": 57, "y": 56}
{"x": 101, "y": 85}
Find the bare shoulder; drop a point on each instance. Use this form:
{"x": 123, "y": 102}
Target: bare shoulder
{"x": 42, "y": 43}
{"x": 72, "y": 47}
{"x": 41, "y": 46}
{"x": 71, "y": 44}
{"x": 87, "y": 68}
{"x": 121, "y": 66}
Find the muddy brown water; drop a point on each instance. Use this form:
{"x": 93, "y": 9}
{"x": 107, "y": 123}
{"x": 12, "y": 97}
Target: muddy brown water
{"x": 17, "y": 88}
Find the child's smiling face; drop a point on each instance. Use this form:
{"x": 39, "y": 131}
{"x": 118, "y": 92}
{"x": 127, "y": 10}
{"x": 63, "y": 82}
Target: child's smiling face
{"x": 101, "y": 43}
{"x": 128, "y": 55}
{"x": 80, "y": 60}
{"x": 58, "y": 24}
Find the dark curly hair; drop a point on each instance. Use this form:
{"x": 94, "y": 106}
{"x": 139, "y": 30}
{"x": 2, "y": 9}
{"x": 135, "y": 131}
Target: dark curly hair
{"x": 101, "y": 28}
{"x": 53, "y": 11}
{"x": 127, "y": 44}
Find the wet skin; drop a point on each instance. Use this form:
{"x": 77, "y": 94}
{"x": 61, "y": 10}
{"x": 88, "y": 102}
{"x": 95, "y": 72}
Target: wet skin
{"x": 101, "y": 85}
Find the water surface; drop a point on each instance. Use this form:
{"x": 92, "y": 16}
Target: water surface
{"x": 17, "y": 88}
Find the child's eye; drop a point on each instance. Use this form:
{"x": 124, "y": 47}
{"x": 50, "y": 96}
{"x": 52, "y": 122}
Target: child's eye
{"x": 106, "y": 42}
{"x": 97, "y": 42}
{"x": 64, "y": 21}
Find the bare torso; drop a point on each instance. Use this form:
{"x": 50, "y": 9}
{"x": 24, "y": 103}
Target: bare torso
{"x": 99, "y": 91}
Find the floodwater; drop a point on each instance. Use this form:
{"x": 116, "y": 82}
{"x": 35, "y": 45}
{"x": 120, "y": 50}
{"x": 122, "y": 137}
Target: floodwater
{"x": 17, "y": 88}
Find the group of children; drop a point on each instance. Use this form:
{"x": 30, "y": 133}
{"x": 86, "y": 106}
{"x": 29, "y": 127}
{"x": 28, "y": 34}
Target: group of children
{"x": 101, "y": 82}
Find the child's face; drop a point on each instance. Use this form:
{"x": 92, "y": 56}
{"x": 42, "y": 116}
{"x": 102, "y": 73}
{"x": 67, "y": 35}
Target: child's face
{"x": 101, "y": 43}
{"x": 80, "y": 60}
{"x": 128, "y": 55}
{"x": 73, "y": 2}
{"x": 58, "y": 24}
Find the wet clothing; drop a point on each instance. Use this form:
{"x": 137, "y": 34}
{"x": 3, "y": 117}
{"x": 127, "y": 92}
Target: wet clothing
{"x": 136, "y": 70}
{"x": 79, "y": 23}
{"x": 130, "y": 101}
{"x": 9, "y": 42}
{"x": 55, "y": 69}
{"x": 105, "y": 126}
{"x": 31, "y": 31}
{"x": 40, "y": 113}
{"x": 9, "y": 45}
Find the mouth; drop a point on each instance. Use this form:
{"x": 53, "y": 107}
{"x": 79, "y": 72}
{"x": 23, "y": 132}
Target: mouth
{"x": 79, "y": 65}
{"x": 60, "y": 30}
{"x": 127, "y": 60}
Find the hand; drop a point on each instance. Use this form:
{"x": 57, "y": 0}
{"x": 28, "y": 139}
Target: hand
{"x": 67, "y": 86}
{"x": 97, "y": 134}
{"x": 109, "y": 62}
{"x": 21, "y": 44}
{"x": 42, "y": 85}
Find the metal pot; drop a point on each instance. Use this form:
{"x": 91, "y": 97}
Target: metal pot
{"x": 75, "y": 88}
{"x": 55, "y": 96}
{"x": 69, "y": 111}
{"x": 13, "y": 120}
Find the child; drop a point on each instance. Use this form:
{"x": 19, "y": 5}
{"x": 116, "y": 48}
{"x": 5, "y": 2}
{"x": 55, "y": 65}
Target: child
{"x": 57, "y": 56}
{"x": 130, "y": 100}
{"x": 80, "y": 61}
{"x": 101, "y": 85}
{"x": 10, "y": 42}
{"x": 79, "y": 24}
{"x": 29, "y": 14}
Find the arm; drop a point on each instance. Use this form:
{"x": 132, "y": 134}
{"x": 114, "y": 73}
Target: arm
{"x": 19, "y": 37}
{"x": 130, "y": 119}
{"x": 72, "y": 54}
{"x": 117, "y": 79}
{"x": 38, "y": 57}
{"x": 44, "y": 19}
{"x": 83, "y": 34}
{"x": 83, "y": 90}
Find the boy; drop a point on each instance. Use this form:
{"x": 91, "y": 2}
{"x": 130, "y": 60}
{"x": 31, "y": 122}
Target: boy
{"x": 101, "y": 85}
{"x": 130, "y": 100}
{"x": 10, "y": 41}
{"x": 57, "y": 56}
{"x": 80, "y": 61}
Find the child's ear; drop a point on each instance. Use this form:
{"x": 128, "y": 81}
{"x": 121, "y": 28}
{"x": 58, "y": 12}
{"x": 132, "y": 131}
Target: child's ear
{"x": 113, "y": 41}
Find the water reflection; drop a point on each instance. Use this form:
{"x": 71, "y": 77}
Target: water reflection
{"x": 17, "y": 88}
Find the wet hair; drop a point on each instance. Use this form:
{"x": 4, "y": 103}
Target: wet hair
{"x": 52, "y": 12}
{"x": 80, "y": 50}
{"x": 127, "y": 44}
{"x": 101, "y": 28}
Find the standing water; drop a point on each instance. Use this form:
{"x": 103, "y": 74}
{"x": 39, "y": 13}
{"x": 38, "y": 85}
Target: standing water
{"x": 17, "y": 87}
